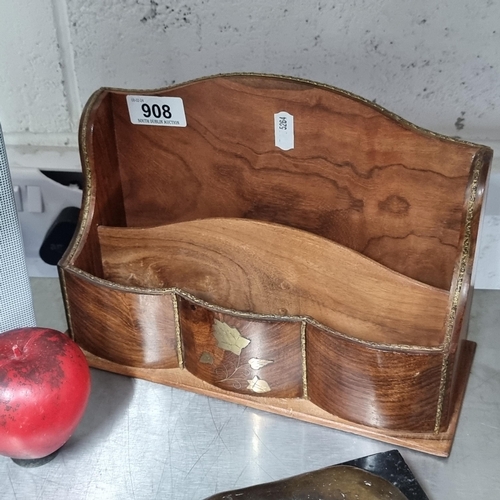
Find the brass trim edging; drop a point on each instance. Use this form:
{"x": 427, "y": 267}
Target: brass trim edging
{"x": 464, "y": 261}
{"x": 87, "y": 192}
{"x": 303, "y": 326}
{"x": 62, "y": 279}
{"x": 253, "y": 316}
{"x": 400, "y": 120}
{"x": 178, "y": 337}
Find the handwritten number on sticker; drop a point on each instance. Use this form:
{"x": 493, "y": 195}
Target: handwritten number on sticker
{"x": 283, "y": 131}
{"x": 156, "y": 111}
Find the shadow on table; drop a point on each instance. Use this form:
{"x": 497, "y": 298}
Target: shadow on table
{"x": 109, "y": 399}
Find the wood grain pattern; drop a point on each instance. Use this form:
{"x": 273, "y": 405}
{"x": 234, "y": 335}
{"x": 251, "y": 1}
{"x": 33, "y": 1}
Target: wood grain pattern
{"x": 384, "y": 389}
{"x": 127, "y": 328}
{"x": 428, "y": 442}
{"x": 98, "y": 145}
{"x": 271, "y": 352}
{"x": 358, "y": 177}
{"x": 249, "y": 266}
{"x": 372, "y": 180}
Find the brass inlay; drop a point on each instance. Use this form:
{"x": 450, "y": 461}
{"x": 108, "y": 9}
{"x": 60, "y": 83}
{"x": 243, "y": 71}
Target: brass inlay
{"x": 258, "y": 385}
{"x": 303, "y": 326}
{"x": 233, "y": 372}
{"x": 229, "y": 338}
{"x": 206, "y": 358}
{"x": 464, "y": 261}
{"x": 257, "y": 363}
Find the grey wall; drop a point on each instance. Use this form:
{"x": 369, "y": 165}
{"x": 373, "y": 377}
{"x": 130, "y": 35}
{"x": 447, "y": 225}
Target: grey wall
{"x": 434, "y": 63}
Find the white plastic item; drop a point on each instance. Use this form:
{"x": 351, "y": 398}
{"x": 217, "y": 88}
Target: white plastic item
{"x": 41, "y": 201}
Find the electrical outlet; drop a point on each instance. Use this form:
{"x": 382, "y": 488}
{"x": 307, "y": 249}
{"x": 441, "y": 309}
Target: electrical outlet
{"x": 40, "y": 198}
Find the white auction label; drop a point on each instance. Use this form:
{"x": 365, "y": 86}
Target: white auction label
{"x": 160, "y": 111}
{"x": 283, "y": 131}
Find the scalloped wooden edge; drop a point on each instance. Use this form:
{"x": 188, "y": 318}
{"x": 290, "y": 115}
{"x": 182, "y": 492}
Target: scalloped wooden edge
{"x": 438, "y": 444}
{"x": 462, "y": 274}
{"x": 246, "y": 252}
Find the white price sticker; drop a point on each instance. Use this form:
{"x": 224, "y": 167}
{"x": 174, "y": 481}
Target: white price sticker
{"x": 160, "y": 111}
{"x": 283, "y": 131}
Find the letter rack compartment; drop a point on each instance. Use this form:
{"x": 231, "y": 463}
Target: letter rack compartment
{"x": 317, "y": 266}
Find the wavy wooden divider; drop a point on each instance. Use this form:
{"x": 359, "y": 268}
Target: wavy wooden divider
{"x": 330, "y": 282}
{"x": 269, "y": 269}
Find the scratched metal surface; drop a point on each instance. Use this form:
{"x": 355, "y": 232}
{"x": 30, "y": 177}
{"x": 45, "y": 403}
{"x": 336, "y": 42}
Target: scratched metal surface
{"x": 139, "y": 440}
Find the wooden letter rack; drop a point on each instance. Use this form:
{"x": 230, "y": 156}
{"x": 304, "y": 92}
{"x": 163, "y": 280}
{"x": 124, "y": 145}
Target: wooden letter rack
{"x": 328, "y": 280}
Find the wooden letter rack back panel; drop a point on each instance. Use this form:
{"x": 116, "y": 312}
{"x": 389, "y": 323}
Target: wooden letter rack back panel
{"x": 329, "y": 282}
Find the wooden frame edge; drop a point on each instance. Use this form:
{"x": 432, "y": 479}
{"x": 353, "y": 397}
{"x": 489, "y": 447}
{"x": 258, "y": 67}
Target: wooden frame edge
{"x": 438, "y": 444}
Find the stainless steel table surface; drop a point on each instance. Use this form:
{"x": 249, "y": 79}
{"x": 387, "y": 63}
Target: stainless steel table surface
{"x": 140, "y": 440}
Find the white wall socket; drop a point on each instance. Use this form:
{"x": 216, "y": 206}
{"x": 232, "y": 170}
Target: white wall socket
{"x": 39, "y": 201}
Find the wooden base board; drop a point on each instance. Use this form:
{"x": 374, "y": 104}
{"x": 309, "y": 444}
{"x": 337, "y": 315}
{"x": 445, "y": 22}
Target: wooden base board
{"x": 433, "y": 443}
